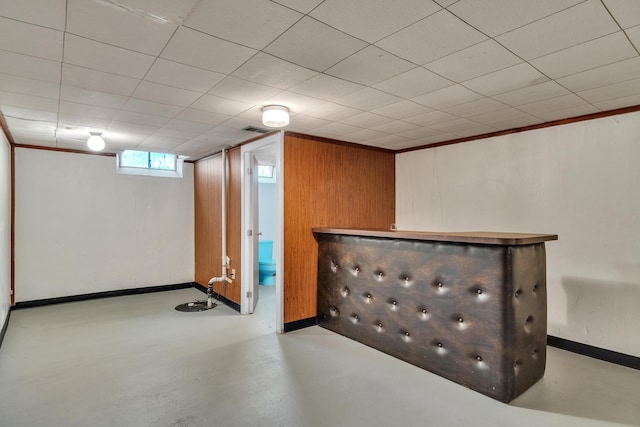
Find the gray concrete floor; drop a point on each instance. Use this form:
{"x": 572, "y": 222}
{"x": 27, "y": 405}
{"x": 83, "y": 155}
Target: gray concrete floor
{"x": 135, "y": 361}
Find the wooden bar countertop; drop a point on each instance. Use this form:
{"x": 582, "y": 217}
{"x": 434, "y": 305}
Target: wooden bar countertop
{"x": 477, "y": 237}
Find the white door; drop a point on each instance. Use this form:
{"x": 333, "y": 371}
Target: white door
{"x": 255, "y": 232}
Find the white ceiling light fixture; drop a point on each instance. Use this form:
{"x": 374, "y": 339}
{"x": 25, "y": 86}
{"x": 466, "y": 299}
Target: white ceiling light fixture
{"x": 275, "y": 116}
{"x": 95, "y": 141}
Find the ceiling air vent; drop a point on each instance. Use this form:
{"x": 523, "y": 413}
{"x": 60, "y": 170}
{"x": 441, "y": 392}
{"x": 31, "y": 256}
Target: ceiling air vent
{"x": 256, "y": 129}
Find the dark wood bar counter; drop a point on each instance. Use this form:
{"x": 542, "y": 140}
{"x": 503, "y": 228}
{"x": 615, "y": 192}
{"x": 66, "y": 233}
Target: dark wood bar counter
{"x": 470, "y": 307}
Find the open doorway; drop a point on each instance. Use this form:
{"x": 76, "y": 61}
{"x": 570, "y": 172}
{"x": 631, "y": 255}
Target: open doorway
{"x": 262, "y": 221}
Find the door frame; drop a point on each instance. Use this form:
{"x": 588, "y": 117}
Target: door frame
{"x": 247, "y": 258}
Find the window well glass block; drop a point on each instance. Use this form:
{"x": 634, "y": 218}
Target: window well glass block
{"x": 162, "y": 161}
{"x": 134, "y": 159}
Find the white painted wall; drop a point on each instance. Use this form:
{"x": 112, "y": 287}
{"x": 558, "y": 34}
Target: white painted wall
{"x": 580, "y": 181}
{"x": 5, "y": 228}
{"x": 83, "y": 228}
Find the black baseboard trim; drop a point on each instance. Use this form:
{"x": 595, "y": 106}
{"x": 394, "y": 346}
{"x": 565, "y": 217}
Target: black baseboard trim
{"x": 594, "y": 352}
{"x": 98, "y": 295}
{"x": 4, "y": 327}
{"x": 226, "y": 301}
{"x": 300, "y": 324}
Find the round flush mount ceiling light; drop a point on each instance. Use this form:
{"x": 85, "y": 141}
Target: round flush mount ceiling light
{"x": 275, "y": 116}
{"x": 95, "y": 141}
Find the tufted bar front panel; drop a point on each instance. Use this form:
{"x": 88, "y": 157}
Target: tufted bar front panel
{"x": 472, "y": 313}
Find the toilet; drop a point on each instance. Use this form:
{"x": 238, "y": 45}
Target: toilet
{"x": 266, "y": 264}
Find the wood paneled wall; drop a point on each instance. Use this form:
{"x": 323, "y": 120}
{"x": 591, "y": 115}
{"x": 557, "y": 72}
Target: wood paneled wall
{"x": 208, "y": 221}
{"x": 328, "y": 184}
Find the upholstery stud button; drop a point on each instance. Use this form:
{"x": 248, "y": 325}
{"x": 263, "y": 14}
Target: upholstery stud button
{"x": 406, "y": 334}
{"x": 479, "y": 358}
{"x": 439, "y": 284}
{"x": 440, "y": 344}
{"x": 395, "y": 303}
{"x": 379, "y": 325}
{"x": 460, "y": 319}
{"x": 479, "y": 291}
{"x": 424, "y": 310}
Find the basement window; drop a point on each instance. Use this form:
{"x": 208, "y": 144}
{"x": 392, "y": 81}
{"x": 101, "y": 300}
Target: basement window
{"x": 131, "y": 162}
{"x": 265, "y": 171}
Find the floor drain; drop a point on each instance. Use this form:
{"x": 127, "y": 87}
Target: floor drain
{"x": 192, "y": 307}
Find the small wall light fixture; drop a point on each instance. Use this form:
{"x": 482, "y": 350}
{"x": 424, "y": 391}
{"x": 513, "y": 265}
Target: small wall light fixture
{"x": 95, "y": 141}
{"x": 275, "y": 116}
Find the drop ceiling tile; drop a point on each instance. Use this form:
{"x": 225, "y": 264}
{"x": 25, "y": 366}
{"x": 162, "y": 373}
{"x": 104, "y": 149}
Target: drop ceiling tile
{"x": 125, "y": 127}
{"x": 625, "y": 12}
{"x": 477, "y": 60}
{"x": 531, "y": 94}
{"x": 610, "y": 92}
{"x": 306, "y": 123}
{"x": 457, "y": 126}
{"x": 119, "y": 141}
{"x": 472, "y": 131}
{"x": 332, "y": 111}
{"x": 369, "y": 66}
{"x": 302, "y": 6}
{"x": 225, "y": 133}
{"x": 44, "y": 138}
{"x": 431, "y": 38}
{"x": 295, "y": 102}
{"x": 447, "y": 97}
{"x": 187, "y": 47}
{"x": 509, "y": 79}
{"x": 325, "y": 87}
{"x": 29, "y": 102}
{"x": 165, "y": 94}
{"x": 499, "y": 16}
{"x": 612, "y": 104}
{"x": 517, "y": 122}
{"x": 414, "y": 82}
{"x": 393, "y": 142}
{"x": 90, "y": 97}
{"x": 187, "y": 126}
{"x": 28, "y": 86}
{"x": 243, "y": 91}
{"x": 312, "y": 44}
{"x": 83, "y": 110}
{"x": 496, "y": 118}
{"x": 578, "y": 24}
{"x": 479, "y": 106}
{"x": 89, "y": 79}
{"x": 253, "y": 23}
{"x": 335, "y": 130}
{"x": 431, "y": 118}
{"x": 565, "y": 113}
{"x": 161, "y": 144}
{"x": 166, "y": 132}
{"x": 271, "y": 71}
{"x": 29, "y": 67}
{"x": 634, "y": 36}
{"x": 367, "y": 98}
{"x": 419, "y": 133}
{"x": 200, "y": 116}
{"x": 80, "y": 121}
{"x": 152, "y": 108}
{"x": 141, "y": 119}
{"x": 395, "y": 127}
{"x": 366, "y": 120}
{"x": 363, "y": 135}
{"x": 371, "y": 20}
{"x": 215, "y": 104}
{"x": 541, "y": 108}
{"x": 32, "y": 40}
{"x": 26, "y": 126}
{"x": 51, "y": 13}
{"x": 445, "y": 3}
{"x": 602, "y": 76}
{"x": 96, "y": 20}
{"x": 29, "y": 114}
{"x": 110, "y": 59}
{"x": 182, "y": 76}
{"x": 402, "y": 109}
{"x": 592, "y": 54}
